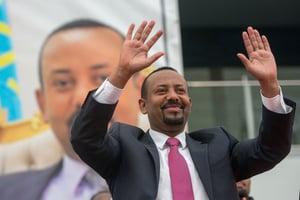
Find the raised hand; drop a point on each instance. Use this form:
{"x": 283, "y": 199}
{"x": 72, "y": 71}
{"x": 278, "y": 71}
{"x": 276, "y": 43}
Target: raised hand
{"x": 134, "y": 54}
{"x": 260, "y": 62}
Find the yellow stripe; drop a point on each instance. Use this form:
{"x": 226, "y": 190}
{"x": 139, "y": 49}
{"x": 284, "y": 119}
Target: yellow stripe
{"x": 4, "y": 29}
{"x": 6, "y": 59}
{"x": 12, "y": 84}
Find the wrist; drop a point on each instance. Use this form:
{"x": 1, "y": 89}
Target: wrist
{"x": 119, "y": 78}
{"x": 270, "y": 89}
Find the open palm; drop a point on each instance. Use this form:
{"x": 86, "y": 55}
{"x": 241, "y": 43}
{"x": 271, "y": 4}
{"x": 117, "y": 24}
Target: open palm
{"x": 134, "y": 56}
{"x": 260, "y": 62}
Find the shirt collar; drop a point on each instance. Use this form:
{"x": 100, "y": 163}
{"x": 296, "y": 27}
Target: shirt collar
{"x": 75, "y": 169}
{"x": 160, "y": 139}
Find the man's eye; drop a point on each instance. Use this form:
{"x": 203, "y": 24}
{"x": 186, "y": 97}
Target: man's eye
{"x": 181, "y": 91}
{"x": 161, "y": 91}
{"x": 99, "y": 80}
{"x": 62, "y": 84}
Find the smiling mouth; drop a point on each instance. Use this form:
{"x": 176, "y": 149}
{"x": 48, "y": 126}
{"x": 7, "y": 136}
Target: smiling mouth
{"x": 173, "y": 106}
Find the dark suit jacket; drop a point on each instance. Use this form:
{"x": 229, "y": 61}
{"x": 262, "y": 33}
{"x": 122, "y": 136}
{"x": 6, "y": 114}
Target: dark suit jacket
{"x": 28, "y": 185}
{"x": 128, "y": 159}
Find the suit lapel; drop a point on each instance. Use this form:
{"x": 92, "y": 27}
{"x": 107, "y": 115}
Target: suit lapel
{"x": 150, "y": 146}
{"x": 41, "y": 182}
{"x": 199, "y": 154}
{"x": 29, "y": 185}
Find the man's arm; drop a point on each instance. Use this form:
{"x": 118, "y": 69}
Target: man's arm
{"x": 273, "y": 143}
{"x": 88, "y": 133}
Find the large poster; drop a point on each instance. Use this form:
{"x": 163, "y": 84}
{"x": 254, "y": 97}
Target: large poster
{"x": 32, "y": 20}
{"x": 9, "y": 96}
{"x": 30, "y": 23}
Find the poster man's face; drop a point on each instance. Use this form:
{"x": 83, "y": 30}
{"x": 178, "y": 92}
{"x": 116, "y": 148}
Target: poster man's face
{"x": 74, "y": 62}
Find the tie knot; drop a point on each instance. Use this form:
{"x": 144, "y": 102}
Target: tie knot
{"x": 173, "y": 142}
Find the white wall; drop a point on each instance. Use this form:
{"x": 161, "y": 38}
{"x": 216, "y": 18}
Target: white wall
{"x": 280, "y": 183}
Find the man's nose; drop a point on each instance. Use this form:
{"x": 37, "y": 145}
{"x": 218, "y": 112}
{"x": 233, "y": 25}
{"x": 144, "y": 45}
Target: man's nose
{"x": 81, "y": 93}
{"x": 172, "y": 95}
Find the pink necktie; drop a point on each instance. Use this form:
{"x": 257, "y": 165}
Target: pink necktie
{"x": 179, "y": 173}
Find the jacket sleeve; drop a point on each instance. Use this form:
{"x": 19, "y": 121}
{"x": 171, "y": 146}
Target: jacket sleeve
{"x": 88, "y": 134}
{"x": 273, "y": 143}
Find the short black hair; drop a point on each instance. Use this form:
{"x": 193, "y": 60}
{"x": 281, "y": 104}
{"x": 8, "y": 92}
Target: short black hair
{"x": 82, "y": 23}
{"x": 143, "y": 88}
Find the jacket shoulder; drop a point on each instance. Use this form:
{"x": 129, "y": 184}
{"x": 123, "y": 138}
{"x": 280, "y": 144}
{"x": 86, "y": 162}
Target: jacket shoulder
{"x": 15, "y": 184}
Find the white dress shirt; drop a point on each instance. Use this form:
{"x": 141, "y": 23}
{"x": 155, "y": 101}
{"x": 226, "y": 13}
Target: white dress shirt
{"x": 68, "y": 183}
{"x": 164, "y": 188}
{"x": 109, "y": 94}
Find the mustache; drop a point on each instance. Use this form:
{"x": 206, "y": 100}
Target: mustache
{"x": 172, "y": 103}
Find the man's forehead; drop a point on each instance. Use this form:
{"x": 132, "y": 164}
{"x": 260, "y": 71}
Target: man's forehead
{"x": 86, "y": 34}
{"x": 165, "y": 76}
{"x": 167, "y": 81}
{"x": 92, "y": 68}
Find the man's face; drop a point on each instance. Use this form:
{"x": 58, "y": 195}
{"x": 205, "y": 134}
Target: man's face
{"x": 74, "y": 62}
{"x": 167, "y": 102}
{"x": 243, "y": 186}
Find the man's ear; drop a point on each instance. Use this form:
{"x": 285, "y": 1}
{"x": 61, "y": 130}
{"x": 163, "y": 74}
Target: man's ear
{"x": 142, "y": 105}
{"x": 39, "y": 95}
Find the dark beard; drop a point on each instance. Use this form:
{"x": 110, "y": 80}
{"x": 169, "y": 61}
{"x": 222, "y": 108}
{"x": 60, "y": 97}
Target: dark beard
{"x": 177, "y": 121}
{"x": 171, "y": 121}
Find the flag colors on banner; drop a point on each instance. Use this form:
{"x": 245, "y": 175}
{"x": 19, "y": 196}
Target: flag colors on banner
{"x": 9, "y": 90}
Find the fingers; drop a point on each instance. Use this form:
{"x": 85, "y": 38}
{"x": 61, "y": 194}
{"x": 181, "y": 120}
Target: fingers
{"x": 154, "y": 57}
{"x": 129, "y": 32}
{"x": 258, "y": 38}
{"x": 147, "y": 31}
{"x": 154, "y": 38}
{"x": 244, "y": 60}
{"x": 247, "y": 42}
{"x": 140, "y": 32}
{"x": 266, "y": 43}
{"x": 143, "y": 33}
{"x": 253, "y": 38}
{"x": 136, "y": 44}
{"x": 253, "y": 41}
